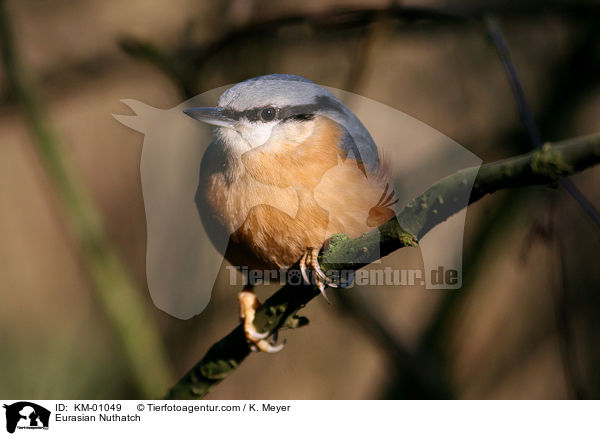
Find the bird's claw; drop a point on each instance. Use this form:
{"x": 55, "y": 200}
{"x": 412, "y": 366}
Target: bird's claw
{"x": 266, "y": 346}
{"x": 257, "y": 340}
{"x": 252, "y": 334}
{"x": 310, "y": 260}
{"x": 316, "y": 268}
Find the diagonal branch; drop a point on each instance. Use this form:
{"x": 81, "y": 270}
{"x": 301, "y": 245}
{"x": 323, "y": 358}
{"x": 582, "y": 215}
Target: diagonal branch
{"x": 544, "y": 166}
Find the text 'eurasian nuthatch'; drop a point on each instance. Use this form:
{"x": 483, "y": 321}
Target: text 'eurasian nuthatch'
{"x": 289, "y": 166}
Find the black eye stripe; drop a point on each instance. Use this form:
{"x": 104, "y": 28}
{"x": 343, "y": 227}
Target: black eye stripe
{"x": 303, "y": 112}
{"x": 300, "y": 117}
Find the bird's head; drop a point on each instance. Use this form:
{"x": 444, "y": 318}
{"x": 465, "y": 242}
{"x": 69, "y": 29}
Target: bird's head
{"x": 247, "y": 114}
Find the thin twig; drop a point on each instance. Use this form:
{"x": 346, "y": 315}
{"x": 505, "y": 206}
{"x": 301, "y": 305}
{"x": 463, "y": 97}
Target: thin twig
{"x": 497, "y": 38}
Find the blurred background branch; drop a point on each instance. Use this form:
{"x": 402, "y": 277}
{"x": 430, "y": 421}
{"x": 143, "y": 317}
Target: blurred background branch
{"x": 124, "y": 304}
{"x": 497, "y": 38}
{"x": 545, "y": 228}
{"x": 185, "y": 63}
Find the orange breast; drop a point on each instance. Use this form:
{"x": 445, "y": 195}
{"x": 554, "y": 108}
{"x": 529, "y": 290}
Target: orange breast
{"x": 328, "y": 194}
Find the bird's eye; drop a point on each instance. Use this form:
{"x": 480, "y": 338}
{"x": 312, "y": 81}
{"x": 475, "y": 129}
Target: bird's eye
{"x": 268, "y": 114}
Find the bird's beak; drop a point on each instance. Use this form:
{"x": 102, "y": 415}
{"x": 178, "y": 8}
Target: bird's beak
{"x": 210, "y": 115}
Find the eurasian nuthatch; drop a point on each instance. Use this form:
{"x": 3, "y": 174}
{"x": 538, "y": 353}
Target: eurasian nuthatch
{"x": 289, "y": 166}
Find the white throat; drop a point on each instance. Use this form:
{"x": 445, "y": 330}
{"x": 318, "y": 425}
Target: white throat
{"x": 245, "y": 135}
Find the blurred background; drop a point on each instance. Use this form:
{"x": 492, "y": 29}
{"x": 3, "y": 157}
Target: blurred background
{"x": 524, "y": 325}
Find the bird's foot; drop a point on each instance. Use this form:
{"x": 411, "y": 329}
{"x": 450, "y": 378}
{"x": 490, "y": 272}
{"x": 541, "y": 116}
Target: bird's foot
{"x": 249, "y": 304}
{"x": 310, "y": 260}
